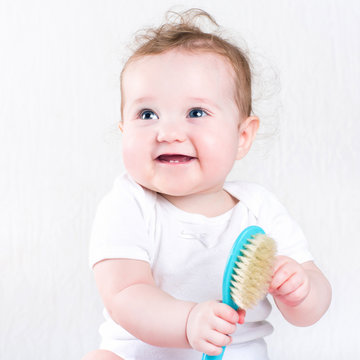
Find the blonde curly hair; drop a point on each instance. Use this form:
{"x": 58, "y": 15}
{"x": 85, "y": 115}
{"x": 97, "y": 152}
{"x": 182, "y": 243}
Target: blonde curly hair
{"x": 181, "y": 32}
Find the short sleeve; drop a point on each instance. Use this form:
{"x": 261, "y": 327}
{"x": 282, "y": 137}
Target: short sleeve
{"x": 272, "y": 216}
{"x": 120, "y": 227}
{"x": 284, "y": 229}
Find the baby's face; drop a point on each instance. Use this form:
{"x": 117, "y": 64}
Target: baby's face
{"x": 180, "y": 122}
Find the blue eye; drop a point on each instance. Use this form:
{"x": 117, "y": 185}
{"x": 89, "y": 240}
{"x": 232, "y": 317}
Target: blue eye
{"x": 148, "y": 115}
{"x": 197, "y": 113}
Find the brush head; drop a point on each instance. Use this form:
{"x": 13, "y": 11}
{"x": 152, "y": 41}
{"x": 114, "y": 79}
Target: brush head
{"x": 252, "y": 271}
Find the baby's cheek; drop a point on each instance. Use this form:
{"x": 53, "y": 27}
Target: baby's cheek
{"x": 133, "y": 156}
{"x": 218, "y": 154}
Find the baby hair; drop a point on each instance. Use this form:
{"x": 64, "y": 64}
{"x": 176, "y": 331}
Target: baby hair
{"x": 182, "y": 32}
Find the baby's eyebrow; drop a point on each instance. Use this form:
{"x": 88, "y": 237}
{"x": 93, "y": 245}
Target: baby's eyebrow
{"x": 143, "y": 99}
{"x": 203, "y": 101}
{"x": 192, "y": 99}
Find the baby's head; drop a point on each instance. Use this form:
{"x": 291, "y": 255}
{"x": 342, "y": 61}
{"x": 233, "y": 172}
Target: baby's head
{"x": 185, "y": 35}
{"x": 186, "y": 109}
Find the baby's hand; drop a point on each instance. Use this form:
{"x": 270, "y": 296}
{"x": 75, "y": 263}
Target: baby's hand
{"x": 290, "y": 283}
{"x": 209, "y": 325}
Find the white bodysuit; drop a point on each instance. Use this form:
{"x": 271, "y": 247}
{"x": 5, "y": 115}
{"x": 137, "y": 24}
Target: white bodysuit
{"x": 188, "y": 253}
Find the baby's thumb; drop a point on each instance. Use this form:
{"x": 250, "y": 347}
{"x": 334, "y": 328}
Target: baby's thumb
{"x": 242, "y": 314}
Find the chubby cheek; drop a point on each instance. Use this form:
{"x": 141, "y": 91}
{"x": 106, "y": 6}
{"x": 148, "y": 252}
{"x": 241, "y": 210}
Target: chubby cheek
{"x": 135, "y": 153}
{"x": 218, "y": 151}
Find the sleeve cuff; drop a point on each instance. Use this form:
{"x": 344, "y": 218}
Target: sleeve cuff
{"x": 135, "y": 253}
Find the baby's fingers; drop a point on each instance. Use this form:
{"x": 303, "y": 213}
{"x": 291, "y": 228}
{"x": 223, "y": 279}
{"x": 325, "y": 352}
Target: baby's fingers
{"x": 224, "y": 327}
{"x": 281, "y": 276}
{"x": 295, "y": 297}
{"x": 211, "y": 349}
{"x": 241, "y": 313}
{"x": 215, "y": 343}
{"x": 218, "y": 339}
{"x": 286, "y": 285}
{"x": 226, "y": 313}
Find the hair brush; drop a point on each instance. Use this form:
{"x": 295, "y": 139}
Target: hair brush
{"x": 248, "y": 271}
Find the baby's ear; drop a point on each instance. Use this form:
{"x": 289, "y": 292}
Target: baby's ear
{"x": 247, "y": 132}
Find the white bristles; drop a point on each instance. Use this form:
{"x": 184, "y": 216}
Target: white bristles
{"x": 252, "y": 273}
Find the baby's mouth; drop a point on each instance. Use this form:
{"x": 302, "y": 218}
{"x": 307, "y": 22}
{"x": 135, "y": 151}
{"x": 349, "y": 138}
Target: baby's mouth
{"x": 174, "y": 158}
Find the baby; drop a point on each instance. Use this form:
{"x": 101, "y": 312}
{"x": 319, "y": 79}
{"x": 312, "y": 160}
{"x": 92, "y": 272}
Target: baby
{"x": 162, "y": 236}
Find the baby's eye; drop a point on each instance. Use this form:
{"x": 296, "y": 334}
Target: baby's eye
{"x": 147, "y": 115}
{"x": 197, "y": 113}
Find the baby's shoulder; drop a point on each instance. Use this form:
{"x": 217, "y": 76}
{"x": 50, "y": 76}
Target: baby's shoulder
{"x": 128, "y": 196}
{"x": 257, "y": 198}
{"x": 248, "y": 190}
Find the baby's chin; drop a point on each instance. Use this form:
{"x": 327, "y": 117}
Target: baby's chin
{"x": 172, "y": 191}
{"x": 169, "y": 188}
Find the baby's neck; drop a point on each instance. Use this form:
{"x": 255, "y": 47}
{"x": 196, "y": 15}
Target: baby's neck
{"x": 207, "y": 204}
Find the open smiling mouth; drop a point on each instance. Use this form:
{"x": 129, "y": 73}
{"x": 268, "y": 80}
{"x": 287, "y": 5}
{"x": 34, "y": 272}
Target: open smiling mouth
{"x": 174, "y": 158}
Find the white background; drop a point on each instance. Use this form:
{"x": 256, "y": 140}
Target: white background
{"x": 60, "y": 152}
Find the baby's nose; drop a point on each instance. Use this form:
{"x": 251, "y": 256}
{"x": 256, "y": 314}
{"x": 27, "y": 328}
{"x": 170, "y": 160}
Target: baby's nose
{"x": 171, "y": 131}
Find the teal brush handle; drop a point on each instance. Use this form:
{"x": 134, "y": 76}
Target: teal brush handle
{"x": 235, "y": 252}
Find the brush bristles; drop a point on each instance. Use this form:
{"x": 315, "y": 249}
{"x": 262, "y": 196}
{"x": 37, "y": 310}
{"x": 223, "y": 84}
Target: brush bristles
{"x": 252, "y": 273}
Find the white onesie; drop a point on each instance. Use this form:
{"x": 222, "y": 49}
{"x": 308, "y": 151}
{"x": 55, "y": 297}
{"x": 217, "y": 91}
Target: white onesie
{"x": 188, "y": 253}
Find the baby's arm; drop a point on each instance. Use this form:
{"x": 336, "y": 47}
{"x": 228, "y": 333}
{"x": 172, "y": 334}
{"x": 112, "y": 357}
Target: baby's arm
{"x": 301, "y": 291}
{"x": 133, "y": 300}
